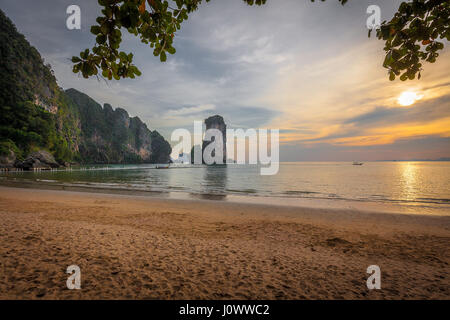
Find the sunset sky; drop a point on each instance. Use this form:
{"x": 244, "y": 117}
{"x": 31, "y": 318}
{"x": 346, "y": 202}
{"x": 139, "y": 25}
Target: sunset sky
{"x": 308, "y": 69}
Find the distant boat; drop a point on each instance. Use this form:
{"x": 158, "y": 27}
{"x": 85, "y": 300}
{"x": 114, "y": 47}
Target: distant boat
{"x": 356, "y": 163}
{"x": 162, "y": 166}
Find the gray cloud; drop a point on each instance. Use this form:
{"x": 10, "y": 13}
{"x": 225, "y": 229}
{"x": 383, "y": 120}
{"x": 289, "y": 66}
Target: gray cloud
{"x": 228, "y": 56}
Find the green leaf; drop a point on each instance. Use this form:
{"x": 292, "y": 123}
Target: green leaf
{"x": 101, "y": 39}
{"x": 163, "y": 56}
{"x": 391, "y": 76}
{"x": 95, "y": 30}
{"x": 171, "y": 50}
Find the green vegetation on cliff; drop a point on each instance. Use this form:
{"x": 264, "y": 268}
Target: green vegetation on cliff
{"x": 38, "y": 115}
{"x": 25, "y": 81}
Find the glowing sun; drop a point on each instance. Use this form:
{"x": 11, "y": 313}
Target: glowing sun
{"x": 407, "y": 98}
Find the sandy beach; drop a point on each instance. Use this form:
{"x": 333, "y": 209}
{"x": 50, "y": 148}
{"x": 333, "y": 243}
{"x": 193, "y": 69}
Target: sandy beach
{"x": 131, "y": 247}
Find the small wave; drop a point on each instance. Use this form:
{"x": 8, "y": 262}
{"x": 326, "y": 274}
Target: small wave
{"x": 175, "y": 188}
{"x": 435, "y": 199}
{"x": 334, "y": 196}
{"x": 242, "y": 191}
{"x": 293, "y": 192}
{"x": 379, "y": 198}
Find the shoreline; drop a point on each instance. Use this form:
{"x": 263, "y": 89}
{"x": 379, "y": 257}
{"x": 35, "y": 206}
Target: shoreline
{"x": 134, "y": 247}
{"x": 301, "y": 202}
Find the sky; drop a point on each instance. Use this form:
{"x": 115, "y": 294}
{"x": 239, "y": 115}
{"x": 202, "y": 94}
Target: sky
{"x": 307, "y": 69}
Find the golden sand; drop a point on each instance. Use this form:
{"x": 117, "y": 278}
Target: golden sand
{"x": 146, "y": 248}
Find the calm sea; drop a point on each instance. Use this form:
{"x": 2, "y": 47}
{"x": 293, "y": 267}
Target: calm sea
{"x": 416, "y": 187}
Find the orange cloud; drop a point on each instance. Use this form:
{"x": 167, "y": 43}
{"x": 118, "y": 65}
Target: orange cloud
{"x": 387, "y": 135}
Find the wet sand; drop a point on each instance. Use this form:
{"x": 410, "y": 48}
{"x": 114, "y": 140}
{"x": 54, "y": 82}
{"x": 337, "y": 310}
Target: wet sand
{"x": 131, "y": 247}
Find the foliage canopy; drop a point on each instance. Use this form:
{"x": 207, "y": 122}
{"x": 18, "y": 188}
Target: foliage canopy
{"x": 415, "y": 34}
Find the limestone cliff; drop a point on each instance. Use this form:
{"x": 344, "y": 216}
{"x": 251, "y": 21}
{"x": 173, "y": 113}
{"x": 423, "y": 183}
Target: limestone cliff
{"x": 111, "y": 136}
{"x": 217, "y": 122}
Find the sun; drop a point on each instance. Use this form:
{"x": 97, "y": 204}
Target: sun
{"x": 407, "y": 98}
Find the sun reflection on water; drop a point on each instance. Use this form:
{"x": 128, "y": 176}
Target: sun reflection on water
{"x": 409, "y": 180}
